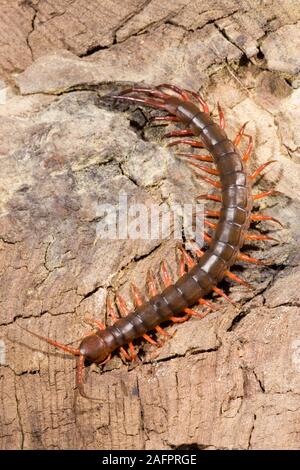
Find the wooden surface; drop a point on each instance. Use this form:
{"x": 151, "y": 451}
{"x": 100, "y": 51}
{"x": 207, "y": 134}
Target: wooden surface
{"x": 231, "y": 380}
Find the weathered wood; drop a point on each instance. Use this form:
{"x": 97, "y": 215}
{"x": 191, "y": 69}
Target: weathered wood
{"x": 231, "y": 380}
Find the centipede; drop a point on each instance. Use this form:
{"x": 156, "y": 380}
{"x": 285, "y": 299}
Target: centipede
{"x": 224, "y": 168}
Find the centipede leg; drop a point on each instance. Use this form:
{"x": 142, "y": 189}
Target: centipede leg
{"x": 165, "y": 119}
{"x": 148, "y": 91}
{"x": 260, "y": 237}
{"x": 153, "y": 292}
{"x": 238, "y": 279}
{"x": 200, "y": 100}
{"x": 210, "y": 197}
{"x": 148, "y": 102}
{"x": 138, "y": 301}
{"x": 249, "y": 259}
{"x": 192, "y": 143}
{"x": 238, "y": 138}
{"x": 272, "y": 192}
{"x": 186, "y": 259}
{"x": 167, "y": 280}
{"x": 112, "y": 314}
{"x": 194, "y": 156}
{"x": 191, "y": 263}
{"x": 240, "y": 134}
{"x": 124, "y": 311}
{"x": 246, "y": 155}
{"x": 210, "y": 181}
{"x": 213, "y": 214}
{"x": 207, "y": 237}
{"x": 165, "y": 274}
{"x": 208, "y": 304}
{"x": 260, "y": 169}
{"x": 221, "y": 117}
{"x": 220, "y": 292}
{"x": 79, "y": 378}
{"x": 179, "y": 133}
{"x": 260, "y": 217}
{"x": 182, "y": 93}
{"x": 210, "y": 224}
{"x": 206, "y": 169}
{"x": 94, "y": 322}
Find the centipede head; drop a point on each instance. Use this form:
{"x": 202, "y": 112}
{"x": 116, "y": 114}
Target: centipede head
{"x": 92, "y": 349}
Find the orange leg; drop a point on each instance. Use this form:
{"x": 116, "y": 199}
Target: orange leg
{"x": 246, "y": 155}
{"x": 222, "y": 294}
{"x": 197, "y": 251}
{"x": 179, "y": 133}
{"x": 260, "y": 169}
{"x": 214, "y": 214}
{"x": 221, "y": 117}
{"x": 272, "y": 192}
{"x": 147, "y": 101}
{"x": 238, "y": 138}
{"x": 162, "y": 332}
{"x": 210, "y": 224}
{"x": 137, "y": 297}
{"x": 185, "y": 258}
{"x": 207, "y": 303}
{"x": 181, "y": 92}
{"x": 207, "y": 237}
{"x": 259, "y": 217}
{"x": 199, "y": 99}
{"x": 192, "y": 143}
{"x": 240, "y": 134}
{"x": 238, "y": 279}
{"x": 211, "y": 171}
{"x": 124, "y": 311}
{"x": 112, "y": 314}
{"x": 259, "y": 237}
{"x": 148, "y": 91}
{"x": 138, "y": 302}
{"x": 194, "y": 156}
{"x": 153, "y": 291}
{"x": 249, "y": 259}
{"x": 151, "y": 284}
{"x": 94, "y": 322}
{"x": 166, "y": 277}
{"x": 165, "y": 118}
{"x": 214, "y": 183}
{"x": 210, "y": 197}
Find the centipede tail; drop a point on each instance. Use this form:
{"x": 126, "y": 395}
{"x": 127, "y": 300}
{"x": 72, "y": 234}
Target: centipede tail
{"x": 200, "y": 274}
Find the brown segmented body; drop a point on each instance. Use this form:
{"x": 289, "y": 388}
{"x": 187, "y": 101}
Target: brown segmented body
{"x": 228, "y": 238}
{"x": 224, "y": 248}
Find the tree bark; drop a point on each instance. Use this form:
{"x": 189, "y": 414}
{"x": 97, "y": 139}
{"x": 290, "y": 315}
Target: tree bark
{"x": 228, "y": 381}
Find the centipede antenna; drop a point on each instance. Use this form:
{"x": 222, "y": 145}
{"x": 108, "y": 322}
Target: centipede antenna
{"x": 56, "y": 344}
{"x": 148, "y": 102}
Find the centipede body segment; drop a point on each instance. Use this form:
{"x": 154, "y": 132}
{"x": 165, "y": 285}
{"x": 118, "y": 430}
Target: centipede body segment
{"x": 231, "y": 179}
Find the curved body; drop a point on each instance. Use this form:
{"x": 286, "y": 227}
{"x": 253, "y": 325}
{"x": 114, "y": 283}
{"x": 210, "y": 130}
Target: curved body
{"x": 224, "y": 246}
{"x": 228, "y": 238}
